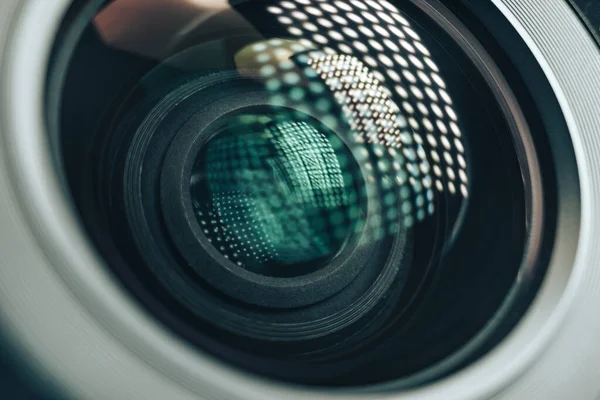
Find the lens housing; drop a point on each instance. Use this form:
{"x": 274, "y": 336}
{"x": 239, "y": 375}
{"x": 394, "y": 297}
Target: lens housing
{"x": 421, "y": 264}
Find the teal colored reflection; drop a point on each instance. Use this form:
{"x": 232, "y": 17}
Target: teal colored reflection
{"x": 271, "y": 195}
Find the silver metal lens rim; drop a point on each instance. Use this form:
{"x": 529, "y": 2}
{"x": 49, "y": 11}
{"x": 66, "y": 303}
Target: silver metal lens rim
{"x": 61, "y": 307}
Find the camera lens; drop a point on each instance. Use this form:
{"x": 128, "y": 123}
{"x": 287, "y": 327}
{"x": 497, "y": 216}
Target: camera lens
{"x": 320, "y": 192}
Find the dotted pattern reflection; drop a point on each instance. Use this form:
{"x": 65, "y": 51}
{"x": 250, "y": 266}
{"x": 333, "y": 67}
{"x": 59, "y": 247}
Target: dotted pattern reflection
{"x": 376, "y": 33}
{"x": 364, "y": 72}
{"x": 379, "y": 128}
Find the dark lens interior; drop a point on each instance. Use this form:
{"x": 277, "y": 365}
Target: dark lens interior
{"x": 325, "y": 193}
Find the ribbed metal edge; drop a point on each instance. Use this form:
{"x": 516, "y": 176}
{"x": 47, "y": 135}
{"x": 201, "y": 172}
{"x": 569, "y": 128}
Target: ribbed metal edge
{"x": 571, "y": 60}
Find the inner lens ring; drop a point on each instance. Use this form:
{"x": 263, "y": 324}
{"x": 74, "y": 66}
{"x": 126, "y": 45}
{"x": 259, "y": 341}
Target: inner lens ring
{"x": 179, "y": 214}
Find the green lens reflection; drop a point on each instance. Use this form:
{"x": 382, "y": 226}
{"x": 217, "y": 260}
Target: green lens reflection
{"x": 270, "y": 194}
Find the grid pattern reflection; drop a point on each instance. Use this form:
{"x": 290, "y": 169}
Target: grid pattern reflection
{"x": 277, "y": 194}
